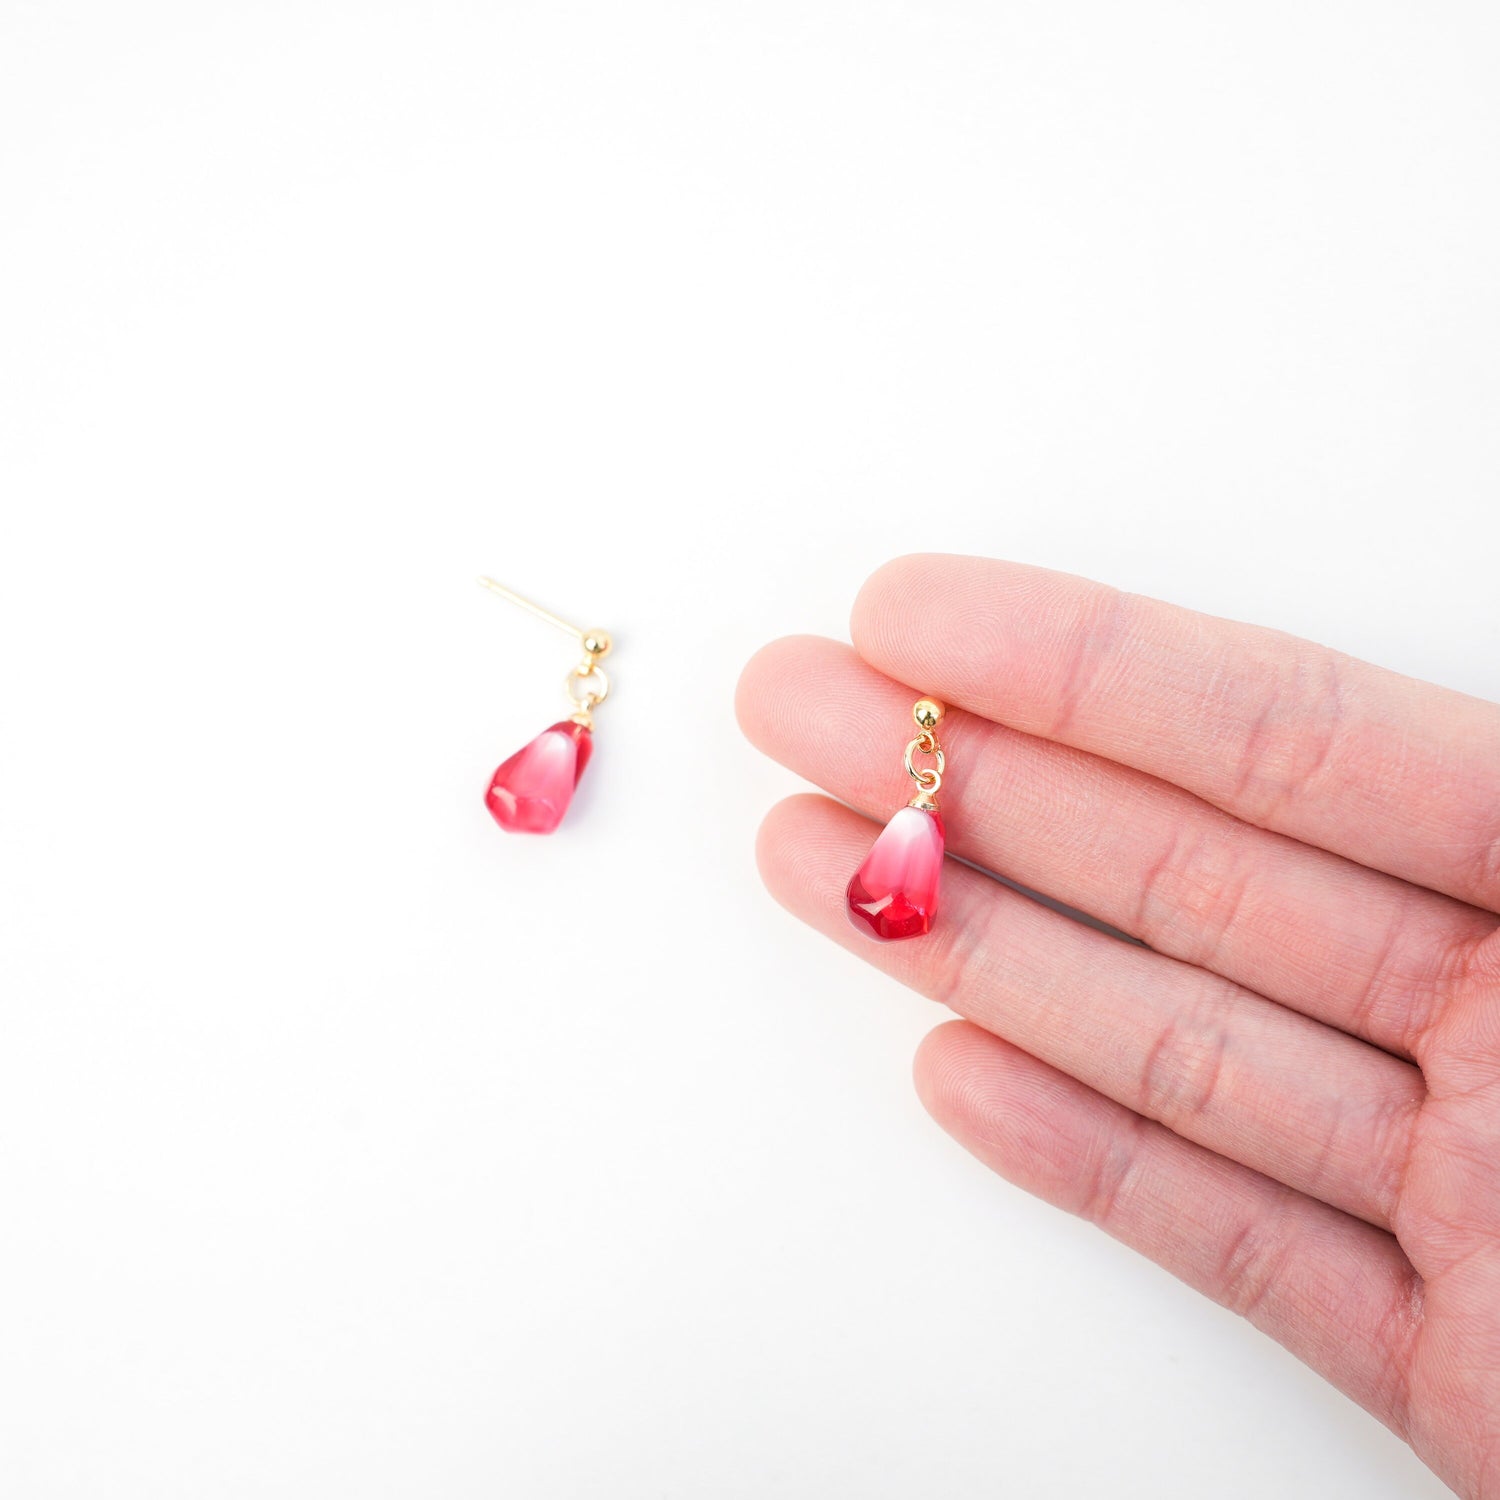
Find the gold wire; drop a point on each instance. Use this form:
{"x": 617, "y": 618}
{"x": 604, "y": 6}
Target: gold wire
{"x": 588, "y": 669}
{"x": 536, "y": 609}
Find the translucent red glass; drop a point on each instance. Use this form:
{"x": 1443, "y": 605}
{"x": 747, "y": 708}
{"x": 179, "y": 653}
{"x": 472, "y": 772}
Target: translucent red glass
{"x": 894, "y": 893}
{"x": 532, "y": 790}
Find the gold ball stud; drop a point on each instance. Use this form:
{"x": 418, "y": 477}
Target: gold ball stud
{"x": 928, "y": 713}
{"x": 597, "y": 643}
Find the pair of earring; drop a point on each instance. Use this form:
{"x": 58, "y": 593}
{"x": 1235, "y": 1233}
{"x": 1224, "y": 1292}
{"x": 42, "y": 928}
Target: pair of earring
{"x": 892, "y": 895}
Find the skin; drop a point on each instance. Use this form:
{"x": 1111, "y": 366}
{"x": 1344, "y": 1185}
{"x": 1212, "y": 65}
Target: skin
{"x": 1287, "y": 1090}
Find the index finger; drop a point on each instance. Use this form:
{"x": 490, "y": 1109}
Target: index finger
{"x": 1385, "y": 770}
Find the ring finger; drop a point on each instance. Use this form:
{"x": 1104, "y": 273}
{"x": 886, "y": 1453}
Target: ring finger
{"x": 1296, "y": 1100}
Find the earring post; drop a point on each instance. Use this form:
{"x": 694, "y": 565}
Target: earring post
{"x": 536, "y": 609}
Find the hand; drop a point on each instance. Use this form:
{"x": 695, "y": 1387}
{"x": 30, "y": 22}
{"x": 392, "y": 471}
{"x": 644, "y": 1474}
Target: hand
{"x": 1291, "y": 1097}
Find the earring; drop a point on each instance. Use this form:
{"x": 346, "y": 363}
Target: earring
{"x": 531, "y": 791}
{"x": 894, "y": 892}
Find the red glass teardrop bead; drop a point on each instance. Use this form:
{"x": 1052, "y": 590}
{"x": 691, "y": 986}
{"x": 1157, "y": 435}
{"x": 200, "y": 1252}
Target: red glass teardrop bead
{"x": 894, "y": 892}
{"x": 530, "y": 792}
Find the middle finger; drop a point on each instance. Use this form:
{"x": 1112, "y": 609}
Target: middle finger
{"x": 1347, "y": 945}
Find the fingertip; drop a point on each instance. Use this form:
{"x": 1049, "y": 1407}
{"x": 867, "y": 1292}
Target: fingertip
{"x": 801, "y": 841}
{"x": 955, "y": 1070}
{"x": 750, "y": 689}
{"x": 776, "y": 686}
{"x": 889, "y": 598}
{"x": 983, "y": 633}
{"x": 928, "y": 613}
{"x": 771, "y": 837}
{"x": 941, "y": 1058}
{"x": 1021, "y": 1117}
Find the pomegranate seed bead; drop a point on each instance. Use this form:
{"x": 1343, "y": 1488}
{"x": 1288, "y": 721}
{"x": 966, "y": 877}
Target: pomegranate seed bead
{"x": 894, "y": 892}
{"x": 531, "y": 791}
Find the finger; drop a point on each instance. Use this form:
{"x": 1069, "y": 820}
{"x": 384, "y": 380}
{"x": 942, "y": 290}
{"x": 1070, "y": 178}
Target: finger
{"x": 1351, "y": 946}
{"x": 1385, "y": 770}
{"x": 1305, "y": 1104}
{"x": 1338, "y": 1293}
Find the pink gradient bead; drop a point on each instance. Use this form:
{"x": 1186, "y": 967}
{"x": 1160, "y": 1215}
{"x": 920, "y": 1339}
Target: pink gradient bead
{"x": 532, "y": 790}
{"x": 894, "y": 892}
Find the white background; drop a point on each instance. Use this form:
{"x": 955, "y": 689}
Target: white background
{"x": 349, "y": 1147}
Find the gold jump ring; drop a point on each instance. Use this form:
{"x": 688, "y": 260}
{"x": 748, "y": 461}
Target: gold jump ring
{"x": 593, "y": 672}
{"x": 928, "y": 778}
